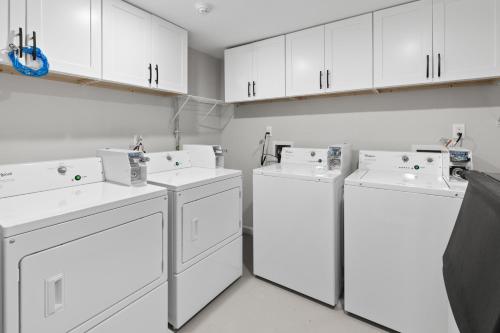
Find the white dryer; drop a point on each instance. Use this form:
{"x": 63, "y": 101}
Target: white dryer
{"x": 80, "y": 254}
{"x": 205, "y": 226}
{"x": 399, "y": 215}
{"x": 297, "y": 215}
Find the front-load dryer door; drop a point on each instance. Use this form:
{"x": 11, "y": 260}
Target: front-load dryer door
{"x": 209, "y": 221}
{"x": 67, "y": 285}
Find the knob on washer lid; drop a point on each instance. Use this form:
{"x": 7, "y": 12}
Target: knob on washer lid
{"x": 405, "y": 158}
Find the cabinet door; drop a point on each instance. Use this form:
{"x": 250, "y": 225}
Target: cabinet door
{"x": 169, "y": 51}
{"x": 126, "y": 44}
{"x": 269, "y": 69}
{"x": 305, "y": 62}
{"x": 349, "y": 54}
{"x": 4, "y": 29}
{"x": 403, "y": 44}
{"x": 69, "y": 33}
{"x": 12, "y": 18}
{"x": 238, "y": 64}
{"x": 466, "y": 39}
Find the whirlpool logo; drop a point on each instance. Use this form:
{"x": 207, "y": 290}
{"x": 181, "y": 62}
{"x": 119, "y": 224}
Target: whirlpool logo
{"x": 5, "y": 174}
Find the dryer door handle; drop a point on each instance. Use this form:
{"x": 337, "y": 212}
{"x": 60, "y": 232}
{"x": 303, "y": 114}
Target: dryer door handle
{"x": 194, "y": 229}
{"x": 54, "y": 295}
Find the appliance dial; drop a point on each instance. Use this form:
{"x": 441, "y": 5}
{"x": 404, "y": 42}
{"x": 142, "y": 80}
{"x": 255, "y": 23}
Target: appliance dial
{"x": 62, "y": 170}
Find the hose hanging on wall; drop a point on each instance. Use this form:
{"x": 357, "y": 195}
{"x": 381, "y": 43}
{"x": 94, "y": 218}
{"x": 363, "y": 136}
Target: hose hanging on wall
{"x": 29, "y": 71}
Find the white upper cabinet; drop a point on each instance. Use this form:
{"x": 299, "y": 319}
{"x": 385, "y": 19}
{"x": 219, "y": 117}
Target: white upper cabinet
{"x": 403, "y": 45}
{"x": 143, "y": 50}
{"x": 238, "y": 72}
{"x": 126, "y": 44}
{"x": 305, "y": 62}
{"x": 349, "y": 54}
{"x": 255, "y": 71}
{"x": 68, "y": 32}
{"x": 269, "y": 69}
{"x": 169, "y": 56}
{"x": 466, "y": 39}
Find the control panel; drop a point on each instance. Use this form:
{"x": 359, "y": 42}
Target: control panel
{"x": 205, "y": 156}
{"x": 412, "y": 162}
{"x": 18, "y": 179}
{"x": 309, "y": 156}
{"x": 168, "y": 161}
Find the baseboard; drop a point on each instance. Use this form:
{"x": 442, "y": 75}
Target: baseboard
{"x": 247, "y": 230}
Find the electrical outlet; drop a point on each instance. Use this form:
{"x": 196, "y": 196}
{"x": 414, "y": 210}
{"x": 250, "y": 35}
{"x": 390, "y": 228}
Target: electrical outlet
{"x": 269, "y": 129}
{"x": 458, "y": 128}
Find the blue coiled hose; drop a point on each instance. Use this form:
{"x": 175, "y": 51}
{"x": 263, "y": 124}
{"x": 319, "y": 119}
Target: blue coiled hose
{"x": 28, "y": 71}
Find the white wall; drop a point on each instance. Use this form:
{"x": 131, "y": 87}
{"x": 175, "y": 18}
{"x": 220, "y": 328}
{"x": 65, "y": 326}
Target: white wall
{"x": 204, "y": 75}
{"x": 391, "y": 121}
{"x": 44, "y": 120}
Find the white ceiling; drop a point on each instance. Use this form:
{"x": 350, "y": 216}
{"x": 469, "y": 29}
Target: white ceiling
{"x": 235, "y": 22}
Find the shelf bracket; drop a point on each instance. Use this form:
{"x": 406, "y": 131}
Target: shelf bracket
{"x": 181, "y": 108}
{"x": 209, "y": 112}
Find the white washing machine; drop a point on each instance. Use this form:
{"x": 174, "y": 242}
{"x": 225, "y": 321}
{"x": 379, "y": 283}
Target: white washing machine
{"x": 80, "y": 254}
{"x": 399, "y": 215}
{"x": 205, "y": 226}
{"x": 297, "y": 215}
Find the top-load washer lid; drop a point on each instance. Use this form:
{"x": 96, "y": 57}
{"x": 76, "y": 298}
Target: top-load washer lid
{"x": 182, "y": 179}
{"x": 39, "y": 195}
{"x": 403, "y": 171}
{"x": 174, "y": 170}
{"x": 401, "y": 181}
{"x": 315, "y": 173}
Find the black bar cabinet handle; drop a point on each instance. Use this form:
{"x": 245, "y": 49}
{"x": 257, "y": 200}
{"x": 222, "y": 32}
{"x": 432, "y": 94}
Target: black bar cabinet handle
{"x": 20, "y": 42}
{"x": 439, "y": 64}
{"x": 320, "y": 79}
{"x": 428, "y": 64}
{"x": 328, "y": 79}
{"x": 34, "y": 46}
{"x": 157, "y": 74}
{"x": 254, "y": 92}
{"x": 249, "y": 95}
{"x": 150, "y": 67}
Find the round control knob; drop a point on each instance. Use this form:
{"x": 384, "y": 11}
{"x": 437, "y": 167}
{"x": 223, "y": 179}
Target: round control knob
{"x": 313, "y": 153}
{"x": 62, "y": 170}
{"x": 169, "y": 158}
{"x": 430, "y": 160}
{"x": 405, "y": 158}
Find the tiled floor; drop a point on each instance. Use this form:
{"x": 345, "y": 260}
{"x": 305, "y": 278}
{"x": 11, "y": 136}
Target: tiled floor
{"x": 254, "y": 305}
